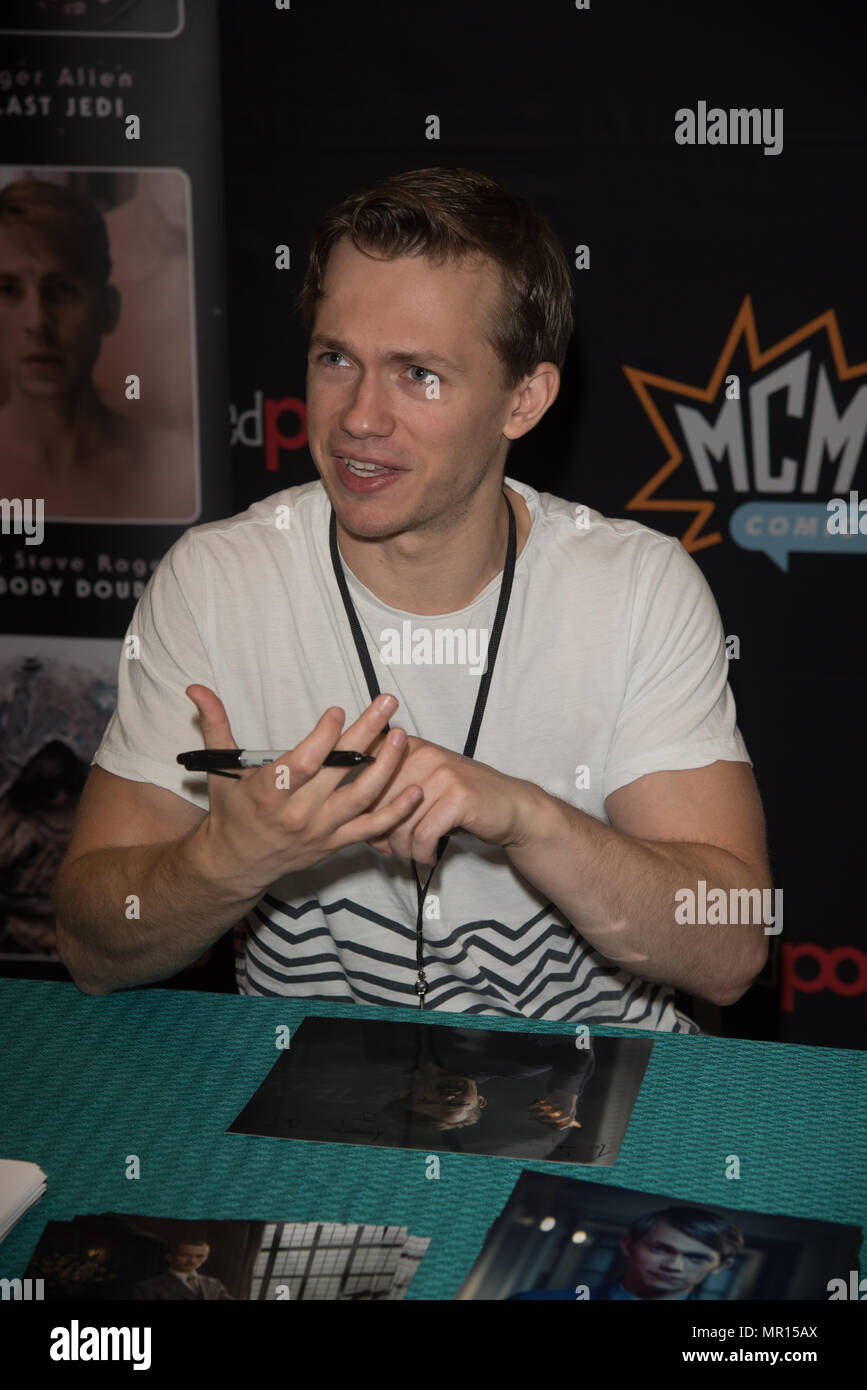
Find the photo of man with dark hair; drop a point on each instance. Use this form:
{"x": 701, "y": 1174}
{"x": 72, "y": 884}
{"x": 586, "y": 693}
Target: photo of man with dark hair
{"x": 59, "y": 440}
{"x": 668, "y": 1255}
{"x": 449, "y": 1076}
{"x": 466, "y": 1090}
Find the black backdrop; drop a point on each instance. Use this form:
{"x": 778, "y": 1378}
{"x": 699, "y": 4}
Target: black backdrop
{"x": 705, "y": 261}
{"x": 575, "y": 109}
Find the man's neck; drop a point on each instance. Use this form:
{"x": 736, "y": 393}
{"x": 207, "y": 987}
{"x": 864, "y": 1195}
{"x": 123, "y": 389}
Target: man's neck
{"x": 436, "y": 572}
{"x": 56, "y": 430}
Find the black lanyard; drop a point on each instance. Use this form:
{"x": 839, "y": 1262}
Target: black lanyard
{"x": 481, "y": 698}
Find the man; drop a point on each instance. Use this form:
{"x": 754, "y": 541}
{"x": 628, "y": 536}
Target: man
{"x": 668, "y": 1255}
{"x": 58, "y": 439}
{"x": 182, "y": 1280}
{"x": 452, "y": 1064}
{"x": 368, "y": 1081}
{"x": 440, "y": 309}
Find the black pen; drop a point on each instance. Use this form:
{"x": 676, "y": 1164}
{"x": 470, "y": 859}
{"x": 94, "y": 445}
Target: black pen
{"x": 217, "y": 759}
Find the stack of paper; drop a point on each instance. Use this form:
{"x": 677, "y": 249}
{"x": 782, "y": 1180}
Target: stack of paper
{"x": 21, "y": 1184}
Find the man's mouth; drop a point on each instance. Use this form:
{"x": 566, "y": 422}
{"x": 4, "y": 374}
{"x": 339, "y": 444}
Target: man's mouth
{"x": 362, "y": 468}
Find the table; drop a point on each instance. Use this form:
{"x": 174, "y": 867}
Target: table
{"x": 86, "y": 1081}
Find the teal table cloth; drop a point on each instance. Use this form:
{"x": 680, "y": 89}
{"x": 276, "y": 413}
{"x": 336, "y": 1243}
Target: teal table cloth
{"x": 86, "y": 1082}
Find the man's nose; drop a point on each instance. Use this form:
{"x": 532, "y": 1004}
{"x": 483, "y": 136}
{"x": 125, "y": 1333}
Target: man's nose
{"x": 368, "y": 411}
{"x": 39, "y": 315}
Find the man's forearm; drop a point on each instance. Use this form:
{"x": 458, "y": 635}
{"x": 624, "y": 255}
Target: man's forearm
{"x": 619, "y": 892}
{"x": 130, "y": 916}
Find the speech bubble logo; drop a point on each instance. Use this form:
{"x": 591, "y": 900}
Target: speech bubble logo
{"x": 781, "y": 529}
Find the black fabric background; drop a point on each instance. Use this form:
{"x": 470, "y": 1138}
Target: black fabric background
{"x": 576, "y": 110}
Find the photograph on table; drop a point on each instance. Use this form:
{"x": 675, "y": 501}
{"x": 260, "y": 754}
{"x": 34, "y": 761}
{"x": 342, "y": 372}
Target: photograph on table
{"x": 560, "y": 1097}
{"x": 90, "y": 18}
{"x": 98, "y": 414}
{"x": 116, "y": 1257}
{"x": 562, "y": 1238}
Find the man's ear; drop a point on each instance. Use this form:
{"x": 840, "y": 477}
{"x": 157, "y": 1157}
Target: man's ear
{"x": 533, "y": 397}
{"x": 482, "y": 1102}
{"x": 626, "y": 1246}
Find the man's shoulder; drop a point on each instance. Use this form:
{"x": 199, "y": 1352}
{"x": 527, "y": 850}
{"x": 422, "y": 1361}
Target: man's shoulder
{"x": 592, "y": 536}
{"x": 284, "y": 520}
{"x": 279, "y": 513}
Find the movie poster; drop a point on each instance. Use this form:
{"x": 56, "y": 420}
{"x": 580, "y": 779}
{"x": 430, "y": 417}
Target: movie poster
{"x": 112, "y": 332}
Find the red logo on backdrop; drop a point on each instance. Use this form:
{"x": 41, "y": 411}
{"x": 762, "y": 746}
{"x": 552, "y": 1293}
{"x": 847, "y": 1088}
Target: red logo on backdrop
{"x": 278, "y": 424}
{"x": 828, "y": 973}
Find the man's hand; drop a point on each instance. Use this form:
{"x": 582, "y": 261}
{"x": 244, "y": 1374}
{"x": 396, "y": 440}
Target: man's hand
{"x": 459, "y": 794}
{"x": 259, "y": 828}
{"x": 557, "y": 1110}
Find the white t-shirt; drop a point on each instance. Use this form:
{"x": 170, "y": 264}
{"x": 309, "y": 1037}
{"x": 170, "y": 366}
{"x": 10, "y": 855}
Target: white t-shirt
{"x": 612, "y": 659}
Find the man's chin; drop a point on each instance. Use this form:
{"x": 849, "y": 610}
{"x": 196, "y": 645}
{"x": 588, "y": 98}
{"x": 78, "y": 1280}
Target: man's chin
{"x": 363, "y": 523}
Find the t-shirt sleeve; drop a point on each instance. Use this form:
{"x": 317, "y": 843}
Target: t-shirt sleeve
{"x": 154, "y": 719}
{"x": 678, "y": 710}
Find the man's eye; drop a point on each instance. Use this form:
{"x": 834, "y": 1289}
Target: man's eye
{"x": 332, "y": 353}
{"x": 426, "y": 376}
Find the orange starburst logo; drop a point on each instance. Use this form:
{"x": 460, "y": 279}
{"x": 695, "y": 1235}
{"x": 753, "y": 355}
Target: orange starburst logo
{"x": 824, "y": 429}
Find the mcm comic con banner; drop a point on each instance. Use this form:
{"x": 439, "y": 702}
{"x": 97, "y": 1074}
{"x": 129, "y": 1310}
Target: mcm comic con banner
{"x": 112, "y": 380}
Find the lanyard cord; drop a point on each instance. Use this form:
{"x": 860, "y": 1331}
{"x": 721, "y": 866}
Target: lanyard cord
{"x": 481, "y": 698}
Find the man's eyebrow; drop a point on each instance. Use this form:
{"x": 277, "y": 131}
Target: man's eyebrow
{"x": 419, "y": 357}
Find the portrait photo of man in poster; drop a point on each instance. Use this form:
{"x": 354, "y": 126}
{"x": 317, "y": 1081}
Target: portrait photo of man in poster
{"x": 96, "y": 363}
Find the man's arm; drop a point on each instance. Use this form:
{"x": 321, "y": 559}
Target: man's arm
{"x": 132, "y": 838}
{"x": 617, "y": 883}
{"x": 150, "y": 881}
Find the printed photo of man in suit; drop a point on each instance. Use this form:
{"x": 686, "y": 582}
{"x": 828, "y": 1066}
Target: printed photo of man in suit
{"x": 182, "y": 1279}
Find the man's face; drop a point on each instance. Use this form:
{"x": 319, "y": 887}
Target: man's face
{"x": 187, "y": 1258}
{"x": 666, "y": 1263}
{"x": 452, "y": 1100}
{"x": 51, "y": 320}
{"x": 399, "y": 373}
